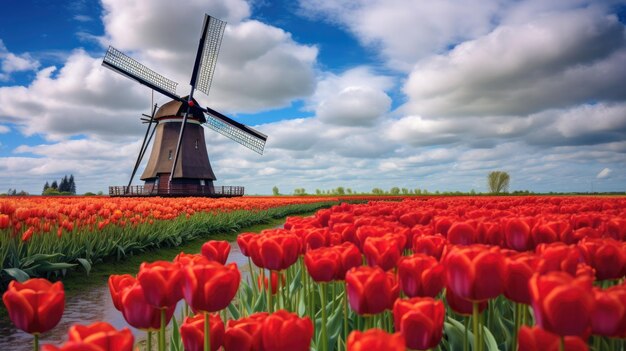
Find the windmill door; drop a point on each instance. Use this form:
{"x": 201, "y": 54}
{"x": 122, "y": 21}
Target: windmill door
{"x": 164, "y": 180}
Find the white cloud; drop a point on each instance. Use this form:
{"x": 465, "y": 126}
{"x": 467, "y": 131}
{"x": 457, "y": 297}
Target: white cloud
{"x": 604, "y": 173}
{"x": 553, "y": 61}
{"x": 406, "y": 31}
{"x": 10, "y": 62}
{"x": 4, "y": 129}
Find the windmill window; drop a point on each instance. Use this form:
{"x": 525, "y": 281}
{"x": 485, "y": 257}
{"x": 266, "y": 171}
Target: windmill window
{"x": 196, "y": 144}
{"x": 169, "y": 155}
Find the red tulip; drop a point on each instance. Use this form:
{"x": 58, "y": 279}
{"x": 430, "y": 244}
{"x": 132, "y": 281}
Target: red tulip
{"x": 102, "y": 335}
{"x": 216, "y": 250}
{"x": 616, "y": 228}
{"x": 192, "y": 332}
{"x": 475, "y": 273}
{"x": 161, "y": 282}
{"x": 274, "y": 276}
{"x": 382, "y": 252}
{"x": 139, "y": 313}
{"x": 117, "y": 285}
{"x": 431, "y": 245}
{"x": 322, "y": 263}
{"x": 517, "y": 234}
{"x": 519, "y": 270}
{"x": 350, "y": 257}
{"x": 279, "y": 251}
{"x": 284, "y": 331}
{"x": 461, "y": 233}
{"x": 562, "y": 304}
{"x": 375, "y": 339}
{"x": 370, "y": 289}
{"x": 210, "y": 286}
{"x": 606, "y": 256}
{"x": 420, "y": 320}
{"x": 183, "y": 259}
{"x": 537, "y": 339}
{"x": 245, "y": 334}
{"x": 243, "y": 240}
{"x": 420, "y": 275}
{"x": 4, "y": 221}
{"x": 36, "y": 305}
{"x": 608, "y": 317}
{"x": 313, "y": 238}
{"x": 559, "y": 257}
{"x": 72, "y": 346}
{"x": 462, "y": 306}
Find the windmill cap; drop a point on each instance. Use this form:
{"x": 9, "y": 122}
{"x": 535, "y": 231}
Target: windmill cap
{"x": 177, "y": 109}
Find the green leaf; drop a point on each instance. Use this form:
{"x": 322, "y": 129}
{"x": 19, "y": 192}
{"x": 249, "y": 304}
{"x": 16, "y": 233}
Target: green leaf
{"x": 492, "y": 345}
{"x": 17, "y": 273}
{"x": 233, "y": 311}
{"x": 85, "y": 263}
{"x": 455, "y": 332}
{"x": 57, "y": 266}
{"x": 176, "y": 342}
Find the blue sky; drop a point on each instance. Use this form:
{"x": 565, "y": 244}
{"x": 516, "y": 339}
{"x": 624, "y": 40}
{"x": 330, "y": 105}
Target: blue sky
{"x": 358, "y": 93}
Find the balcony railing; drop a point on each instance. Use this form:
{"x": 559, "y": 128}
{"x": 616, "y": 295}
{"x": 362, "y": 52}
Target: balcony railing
{"x": 177, "y": 190}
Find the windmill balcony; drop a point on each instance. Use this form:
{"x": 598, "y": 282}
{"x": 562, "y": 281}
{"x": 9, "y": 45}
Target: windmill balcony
{"x": 177, "y": 190}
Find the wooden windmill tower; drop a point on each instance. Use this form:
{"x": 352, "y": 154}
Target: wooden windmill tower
{"x": 179, "y": 163}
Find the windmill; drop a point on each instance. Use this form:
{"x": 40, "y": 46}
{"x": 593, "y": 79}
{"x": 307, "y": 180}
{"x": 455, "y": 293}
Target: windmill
{"x": 179, "y": 163}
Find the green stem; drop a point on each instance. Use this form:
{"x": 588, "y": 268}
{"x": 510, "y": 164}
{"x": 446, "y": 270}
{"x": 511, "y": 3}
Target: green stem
{"x": 36, "y": 342}
{"x": 324, "y": 339}
{"x": 562, "y": 344}
{"x": 269, "y": 293}
{"x": 162, "y": 331}
{"x": 345, "y": 315}
{"x": 207, "y": 332}
{"x": 518, "y": 321}
{"x": 476, "y": 326}
{"x": 466, "y": 336}
{"x": 149, "y": 341}
{"x": 252, "y": 274}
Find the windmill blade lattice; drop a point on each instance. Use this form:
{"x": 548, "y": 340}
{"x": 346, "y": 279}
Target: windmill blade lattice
{"x": 245, "y": 137}
{"x": 120, "y": 63}
{"x": 211, "y": 48}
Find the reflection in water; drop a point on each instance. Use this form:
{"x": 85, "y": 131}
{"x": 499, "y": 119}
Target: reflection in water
{"x": 90, "y": 306}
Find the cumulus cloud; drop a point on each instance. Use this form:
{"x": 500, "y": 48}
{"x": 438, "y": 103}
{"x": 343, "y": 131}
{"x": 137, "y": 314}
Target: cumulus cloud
{"x": 10, "y": 62}
{"x": 604, "y": 173}
{"x": 406, "y": 31}
{"x": 553, "y": 61}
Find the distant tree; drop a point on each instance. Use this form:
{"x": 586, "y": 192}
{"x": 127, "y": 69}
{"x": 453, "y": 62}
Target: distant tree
{"x": 54, "y": 185}
{"x": 318, "y": 192}
{"x": 394, "y": 191}
{"x": 405, "y": 191}
{"x": 72, "y": 185}
{"x": 472, "y": 192}
{"x": 377, "y": 191}
{"x": 51, "y": 192}
{"x": 299, "y": 191}
{"x": 498, "y": 182}
{"x": 340, "y": 190}
{"x": 63, "y": 185}
{"x": 349, "y": 191}
{"x": 275, "y": 191}
{"x": 45, "y": 187}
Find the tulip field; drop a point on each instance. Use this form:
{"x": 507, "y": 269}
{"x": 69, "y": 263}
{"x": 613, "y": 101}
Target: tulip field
{"x": 44, "y": 237}
{"x": 423, "y": 273}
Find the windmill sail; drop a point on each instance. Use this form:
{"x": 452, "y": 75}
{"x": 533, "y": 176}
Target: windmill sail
{"x": 244, "y": 135}
{"x": 210, "y": 42}
{"x": 122, "y": 64}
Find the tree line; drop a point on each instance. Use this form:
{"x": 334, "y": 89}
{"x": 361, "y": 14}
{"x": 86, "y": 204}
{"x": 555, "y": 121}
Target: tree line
{"x": 497, "y": 183}
{"x": 66, "y": 186}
